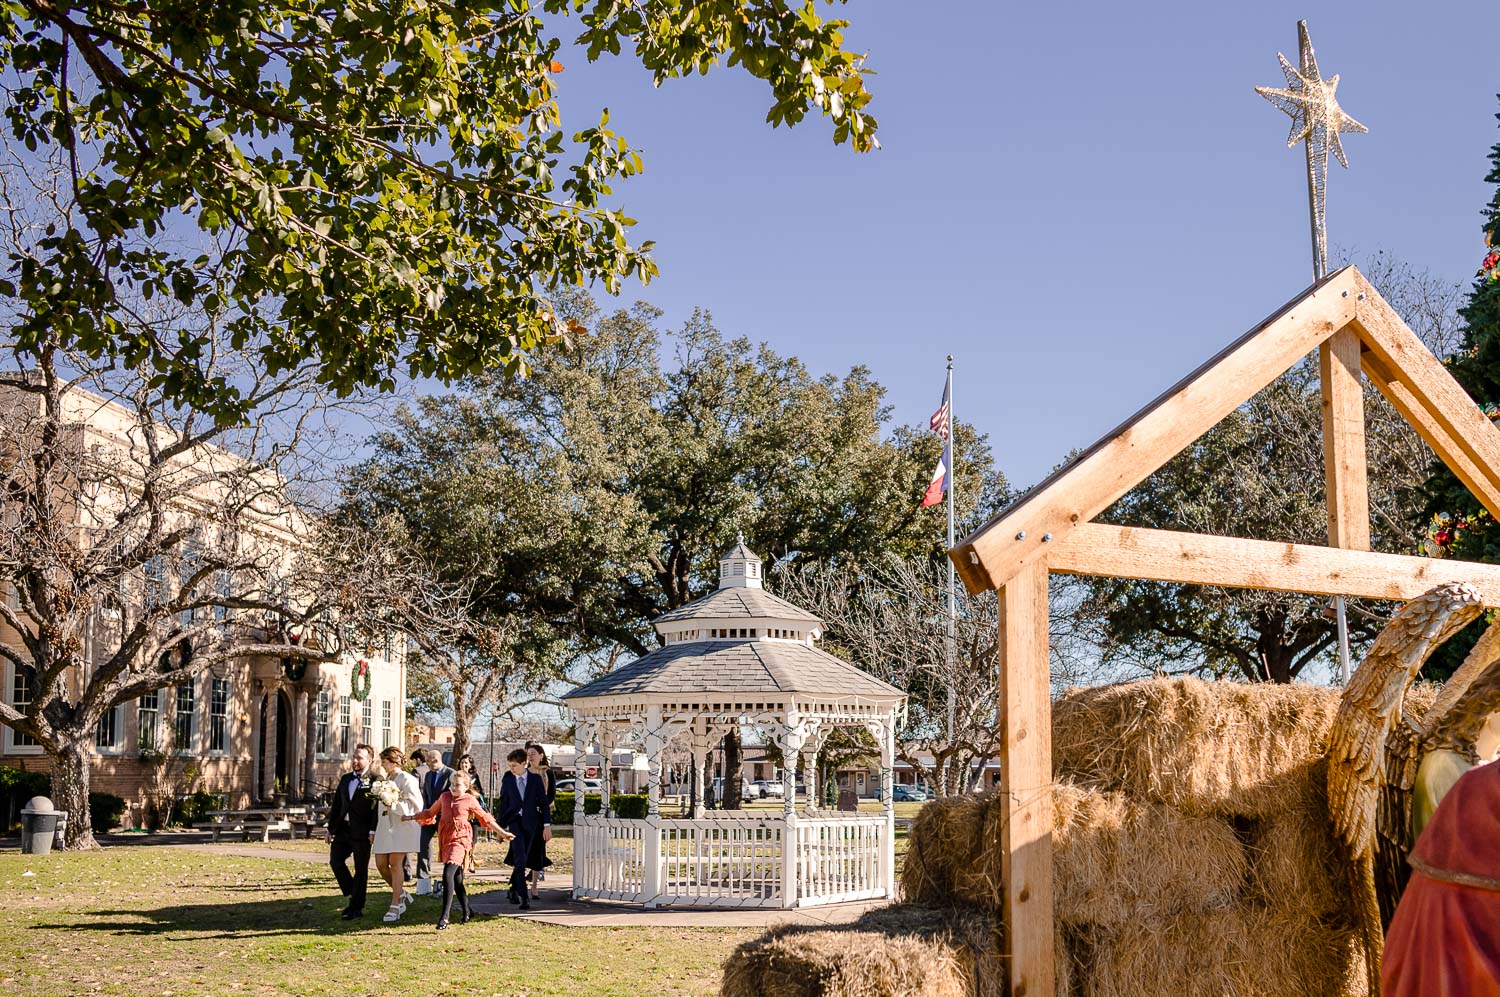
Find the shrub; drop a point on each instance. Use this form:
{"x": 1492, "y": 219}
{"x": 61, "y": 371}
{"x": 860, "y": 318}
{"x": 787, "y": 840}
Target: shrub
{"x": 105, "y": 811}
{"x": 632, "y": 805}
{"x": 193, "y": 807}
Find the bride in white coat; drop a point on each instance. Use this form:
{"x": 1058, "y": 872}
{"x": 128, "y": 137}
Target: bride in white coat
{"x": 394, "y": 838}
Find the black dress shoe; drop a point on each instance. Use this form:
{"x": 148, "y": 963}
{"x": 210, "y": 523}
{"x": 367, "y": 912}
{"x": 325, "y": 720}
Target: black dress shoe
{"x": 464, "y": 918}
{"x": 441, "y": 925}
{"x": 513, "y": 897}
{"x": 350, "y": 915}
{"x": 525, "y": 903}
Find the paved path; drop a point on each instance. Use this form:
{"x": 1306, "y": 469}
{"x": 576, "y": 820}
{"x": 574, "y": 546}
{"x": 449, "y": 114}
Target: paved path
{"x": 555, "y": 906}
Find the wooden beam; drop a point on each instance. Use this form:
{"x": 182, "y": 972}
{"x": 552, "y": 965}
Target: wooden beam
{"x": 1344, "y": 473}
{"x": 1085, "y": 487}
{"x": 1475, "y": 478}
{"x": 1201, "y": 559}
{"x": 1026, "y": 782}
{"x": 1460, "y": 433}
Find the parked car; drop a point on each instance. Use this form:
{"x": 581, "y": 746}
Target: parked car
{"x": 571, "y": 786}
{"x": 746, "y": 791}
{"x": 909, "y": 794}
{"x": 762, "y": 788}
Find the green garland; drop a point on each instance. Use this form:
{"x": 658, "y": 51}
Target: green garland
{"x": 361, "y": 672}
{"x": 294, "y": 668}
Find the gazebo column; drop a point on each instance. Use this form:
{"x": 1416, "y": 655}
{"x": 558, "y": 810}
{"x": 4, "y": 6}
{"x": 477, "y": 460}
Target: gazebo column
{"x": 582, "y": 859}
{"x": 606, "y": 753}
{"x": 655, "y": 742}
{"x": 792, "y": 739}
{"x": 810, "y": 754}
{"x": 700, "y": 748}
{"x": 887, "y": 793}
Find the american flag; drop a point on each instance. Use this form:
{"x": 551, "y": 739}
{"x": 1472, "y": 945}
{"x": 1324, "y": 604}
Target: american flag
{"x": 939, "y": 420}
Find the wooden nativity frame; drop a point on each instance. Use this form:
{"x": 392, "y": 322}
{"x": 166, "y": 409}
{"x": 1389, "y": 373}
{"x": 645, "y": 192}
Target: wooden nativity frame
{"x": 1051, "y": 529}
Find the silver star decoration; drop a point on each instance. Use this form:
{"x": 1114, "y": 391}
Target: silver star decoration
{"x": 1317, "y": 120}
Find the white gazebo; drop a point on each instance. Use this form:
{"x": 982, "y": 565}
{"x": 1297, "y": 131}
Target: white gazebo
{"x": 742, "y": 657}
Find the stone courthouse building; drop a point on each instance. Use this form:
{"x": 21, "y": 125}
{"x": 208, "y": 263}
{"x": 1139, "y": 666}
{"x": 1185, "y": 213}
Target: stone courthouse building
{"x": 251, "y": 729}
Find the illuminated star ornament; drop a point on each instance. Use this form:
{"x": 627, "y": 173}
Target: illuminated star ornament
{"x": 1317, "y": 120}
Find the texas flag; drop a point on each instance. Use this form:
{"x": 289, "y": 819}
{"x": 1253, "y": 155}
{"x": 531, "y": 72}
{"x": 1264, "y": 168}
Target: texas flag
{"x": 940, "y": 424}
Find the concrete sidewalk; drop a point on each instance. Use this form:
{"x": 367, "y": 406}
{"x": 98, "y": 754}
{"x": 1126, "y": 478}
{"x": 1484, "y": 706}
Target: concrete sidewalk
{"x": 556, "y": 906}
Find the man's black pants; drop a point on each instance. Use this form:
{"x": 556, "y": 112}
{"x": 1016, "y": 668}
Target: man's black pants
{"x": 353, "y": 886}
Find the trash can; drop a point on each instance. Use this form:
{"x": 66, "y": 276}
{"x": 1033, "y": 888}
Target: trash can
{"x": 38, "y": 826}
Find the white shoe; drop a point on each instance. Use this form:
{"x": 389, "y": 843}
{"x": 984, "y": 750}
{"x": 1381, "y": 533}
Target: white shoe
{"x": 393, "y": 913}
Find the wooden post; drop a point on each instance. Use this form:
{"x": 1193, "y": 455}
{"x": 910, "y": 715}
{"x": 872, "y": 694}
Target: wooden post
{"x": 1026, "y": 782}
{"x": 1344, "y": 442}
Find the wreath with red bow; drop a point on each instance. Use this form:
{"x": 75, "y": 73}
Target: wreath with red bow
{"x": 359, "y": 681}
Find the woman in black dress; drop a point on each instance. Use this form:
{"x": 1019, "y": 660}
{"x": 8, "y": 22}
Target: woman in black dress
{"x": 537, "y": 861}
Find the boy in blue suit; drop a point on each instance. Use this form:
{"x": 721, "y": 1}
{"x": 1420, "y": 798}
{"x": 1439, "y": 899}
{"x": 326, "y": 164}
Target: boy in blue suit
{"x": 524, "y": 812}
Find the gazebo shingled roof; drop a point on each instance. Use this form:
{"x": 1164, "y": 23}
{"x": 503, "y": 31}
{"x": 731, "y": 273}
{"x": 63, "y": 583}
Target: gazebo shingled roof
{"x": 737, "y": 666}
{"x": 737, "y": 603}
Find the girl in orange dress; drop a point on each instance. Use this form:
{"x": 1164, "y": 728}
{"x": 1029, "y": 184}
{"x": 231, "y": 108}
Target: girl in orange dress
{"x": 453, "y": 812}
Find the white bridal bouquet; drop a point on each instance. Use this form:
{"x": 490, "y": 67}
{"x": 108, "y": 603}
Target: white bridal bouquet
{"x": 386, "y": 791}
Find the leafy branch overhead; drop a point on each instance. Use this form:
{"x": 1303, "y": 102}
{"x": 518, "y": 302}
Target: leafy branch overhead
{"x": 378, "y": 187}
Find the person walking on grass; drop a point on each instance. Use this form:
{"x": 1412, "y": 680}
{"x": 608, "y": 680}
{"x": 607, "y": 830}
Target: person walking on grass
{"x": 452, "y": 815}
{"x": 399, "y": 796}
{"x": 525, "y": 813}
{"x": 351, "y": 830}
{"x": 434, "y": 783}
{"x": 537, "y": 860}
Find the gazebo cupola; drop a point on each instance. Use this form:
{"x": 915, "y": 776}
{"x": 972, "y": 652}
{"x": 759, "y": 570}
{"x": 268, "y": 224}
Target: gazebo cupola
{"x": 738, "y": 658}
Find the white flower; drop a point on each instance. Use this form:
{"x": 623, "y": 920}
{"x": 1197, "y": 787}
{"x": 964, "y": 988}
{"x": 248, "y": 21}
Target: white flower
{"x": 386, "y": 791}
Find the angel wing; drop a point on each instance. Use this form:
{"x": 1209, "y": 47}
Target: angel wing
{"x": 1368, "y": 712}
{"x": 1453, "y": 720}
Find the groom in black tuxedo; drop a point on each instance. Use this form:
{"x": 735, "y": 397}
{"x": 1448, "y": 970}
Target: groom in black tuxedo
{"x": 351, "y": 828}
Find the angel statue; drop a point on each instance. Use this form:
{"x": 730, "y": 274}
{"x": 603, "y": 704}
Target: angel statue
{"x": 1388, "y": 769}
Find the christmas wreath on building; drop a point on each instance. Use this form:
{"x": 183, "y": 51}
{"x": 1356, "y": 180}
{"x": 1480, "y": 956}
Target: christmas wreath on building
{"x": 359, "y": 680}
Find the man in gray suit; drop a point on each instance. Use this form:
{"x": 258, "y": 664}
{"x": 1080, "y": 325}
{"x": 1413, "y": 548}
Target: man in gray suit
{"x": 434, "y": 784}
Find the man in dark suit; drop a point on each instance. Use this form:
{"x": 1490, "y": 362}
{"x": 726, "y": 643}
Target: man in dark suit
{"x": 434, "y": 784}
{"x": 351, "y": 828}
{"x": 524, "y": 812}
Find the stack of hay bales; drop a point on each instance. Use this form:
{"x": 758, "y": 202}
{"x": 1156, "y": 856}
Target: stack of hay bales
{"x": 1193, "y": 851}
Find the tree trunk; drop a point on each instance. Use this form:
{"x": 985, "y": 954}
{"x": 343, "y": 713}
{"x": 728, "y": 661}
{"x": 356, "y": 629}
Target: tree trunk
{"x": 732, "y": 770}
{"x": 461, "y": 724}
{"x": 70, "y": 791}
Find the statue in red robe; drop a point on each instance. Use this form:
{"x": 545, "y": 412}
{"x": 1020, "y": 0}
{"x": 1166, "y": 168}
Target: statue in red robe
{"x": 1445, "y": 938}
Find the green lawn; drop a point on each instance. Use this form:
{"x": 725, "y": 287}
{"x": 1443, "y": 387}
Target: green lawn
{"x": 170, "y": 922}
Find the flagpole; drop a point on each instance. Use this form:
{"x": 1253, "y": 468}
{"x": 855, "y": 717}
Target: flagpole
{"x": 951, "y": 646}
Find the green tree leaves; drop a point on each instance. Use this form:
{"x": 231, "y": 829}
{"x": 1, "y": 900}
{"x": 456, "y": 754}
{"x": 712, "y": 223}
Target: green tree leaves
{"x": 377, "y": 187}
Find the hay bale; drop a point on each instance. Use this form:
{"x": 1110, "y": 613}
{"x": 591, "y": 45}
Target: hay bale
{"x": 1246, "y": 951}
{"x": 899, "y": 951}
{"x": 1118, "y": 860}
{"x": 1224, "y": 748}
{"x": 1115, "y": 860}
{"x": 1294, "y": 862}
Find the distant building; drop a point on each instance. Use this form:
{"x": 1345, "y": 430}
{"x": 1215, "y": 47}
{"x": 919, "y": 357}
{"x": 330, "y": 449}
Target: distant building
{"x": 251, "y": 729}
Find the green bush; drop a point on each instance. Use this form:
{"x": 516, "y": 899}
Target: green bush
{"x": 631, "y": 805}
{"x": 16, "y": 787}
{"x": 192, "y": 808}
{"x": 105, "y": 811}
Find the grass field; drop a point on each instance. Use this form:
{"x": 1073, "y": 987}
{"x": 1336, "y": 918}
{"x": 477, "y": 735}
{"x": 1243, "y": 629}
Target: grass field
{"x": 170, "y": 922}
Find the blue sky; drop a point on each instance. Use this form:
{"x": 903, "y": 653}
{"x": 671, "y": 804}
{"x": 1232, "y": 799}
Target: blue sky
{"x": 1082, "y": 201}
